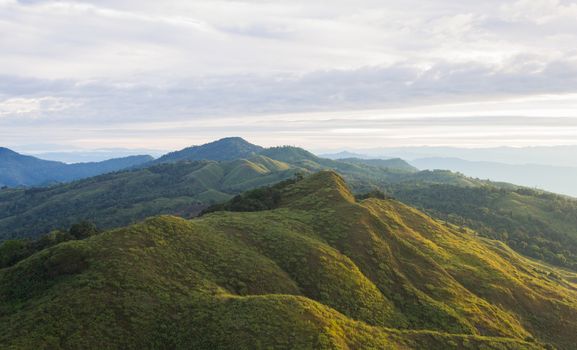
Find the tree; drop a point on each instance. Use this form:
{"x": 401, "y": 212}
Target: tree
{"x": 83, "y": 229}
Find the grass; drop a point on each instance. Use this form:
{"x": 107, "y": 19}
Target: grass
{"x": 321, "y": 271}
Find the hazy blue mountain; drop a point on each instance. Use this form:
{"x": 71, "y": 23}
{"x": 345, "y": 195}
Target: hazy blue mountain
{"x": 557, "y": 155}
{"x": 224, "y": 149}
{"x": 343, "y": 155}
{"x": 98, "y": 155}
{"x": 394, "y": 163}
{"x": 21, "y": 170}
{"x": 551, "y": 178}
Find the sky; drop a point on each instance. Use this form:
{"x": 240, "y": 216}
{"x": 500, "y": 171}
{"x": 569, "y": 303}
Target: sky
{"x": 322, "y": 75}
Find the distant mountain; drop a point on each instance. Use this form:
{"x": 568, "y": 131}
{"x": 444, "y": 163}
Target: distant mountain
{"x": 551, "y": 178}
{"x": 316, "y": 270}
{"x": 20, "y": 170}
{"x": 394, "y": 163}
{"x": 224, "y": 149}
{"x": 343, "y": 155}
{"x": 98, "y": 155}
{"x": 563, "y": 156}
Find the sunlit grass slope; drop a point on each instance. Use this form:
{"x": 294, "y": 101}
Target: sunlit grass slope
{"x": 320, "y": 271}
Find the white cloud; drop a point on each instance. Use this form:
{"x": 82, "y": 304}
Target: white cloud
{"x": 540, "y": 11}
{"x": 91, "y": 63}
{"x": 33, "y": 107}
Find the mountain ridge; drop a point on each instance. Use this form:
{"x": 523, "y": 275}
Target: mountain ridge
{"x": 321, "y": 271}
{"x": 22, "y": 170}
{"x": 223, "y": 149}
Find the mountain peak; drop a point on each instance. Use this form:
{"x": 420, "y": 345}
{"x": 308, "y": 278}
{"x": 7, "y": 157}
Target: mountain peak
{"x": 227, "y": 148}
{"x": 7, "y": 151}
{"x": 232, "y": 139}
{"x": 320, "y": 189}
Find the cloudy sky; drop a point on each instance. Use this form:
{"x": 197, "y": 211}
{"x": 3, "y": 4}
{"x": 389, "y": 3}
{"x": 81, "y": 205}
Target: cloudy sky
{"x": 339, "y": 74}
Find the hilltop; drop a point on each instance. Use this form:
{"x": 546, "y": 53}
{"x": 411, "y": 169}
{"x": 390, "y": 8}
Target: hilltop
{"x": 320, "y": 271}
{"x": 228, "y": 148}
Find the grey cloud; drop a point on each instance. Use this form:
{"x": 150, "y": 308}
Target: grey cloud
{"x": 331, "y": 90}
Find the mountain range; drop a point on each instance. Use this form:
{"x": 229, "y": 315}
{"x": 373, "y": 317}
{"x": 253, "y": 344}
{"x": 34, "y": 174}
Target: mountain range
{"x": 186, "y": 181}
{"x": 562, "y": 156}
{"x": 535, "y": 223}
{"x": 21, "y": 170}
{"x": 317, "y": 270}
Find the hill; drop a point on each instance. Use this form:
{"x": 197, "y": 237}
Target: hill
{"x": 320, "y": 271}
{"x": 538, "y": 224}
{"x": 20, "y": 170}
{"x": 224, "y": 149}
{"x": 394, "y": 163}
{"x": 178, "y": 188}
{"x": 121, "y": 198}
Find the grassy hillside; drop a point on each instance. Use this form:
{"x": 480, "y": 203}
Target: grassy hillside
{"x": 178, "y": 188}
{"x": 320, "y": 271}
{"x": 538, "y": 224}
{"x": 121, "y": 198}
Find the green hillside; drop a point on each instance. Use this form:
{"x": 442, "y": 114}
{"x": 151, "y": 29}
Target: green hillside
{"x": 320, "y": 271}
{"x": 395, "y": 163}
{"x": 179, "y": 188}
{"x": 122, "y": 198}
{"x": 538, "y": 224}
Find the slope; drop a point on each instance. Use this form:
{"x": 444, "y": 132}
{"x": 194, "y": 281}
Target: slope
{"x": 179, "y": 188}
{"x": 224, "y": 149}
{"x": 121, "y": 198}
{"x": 319, "y": 272}
{"x": 20, "y": 170}
{"x": 395, "y": 163}
{"x": 538, "y": 224}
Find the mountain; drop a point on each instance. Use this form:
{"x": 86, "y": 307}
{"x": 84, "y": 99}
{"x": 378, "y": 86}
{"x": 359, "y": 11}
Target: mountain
{"x": 320, "y": 271}
{"x": 121, "y": 198}
{"x": 181, "y": 188}
{"x": 343, "y": 155}
{"x": 535, "y": 223}
{"x": 548, "y": 177}
{"x": 538, "y": 224}
{"x": 224, "y": 149}
{"x": 563, "y": 156}
{"x": 20, "y": 170}
{"x": 394, "y": 163}
{"x": 97, "y": 155}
